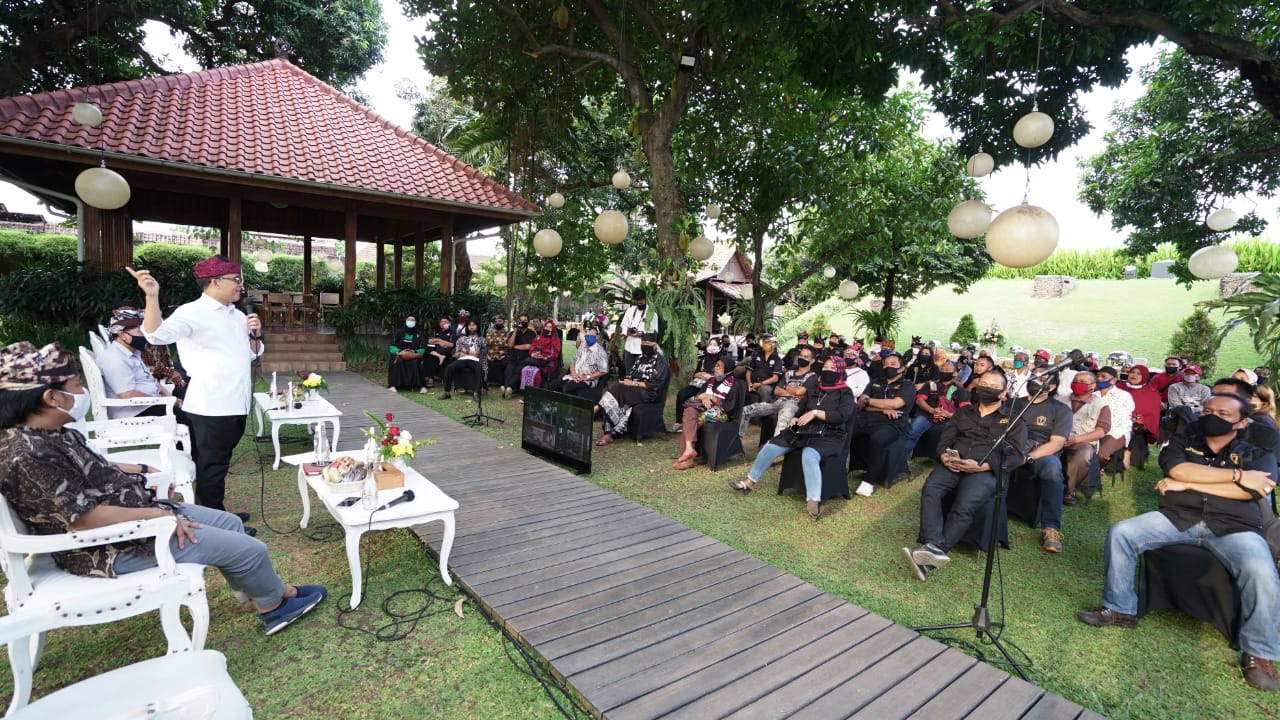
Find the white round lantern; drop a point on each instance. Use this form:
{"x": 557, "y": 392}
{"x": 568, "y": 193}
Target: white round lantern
{"x": 713, "y": 211}
{"x": 500, "y": 280}
{"x": 263, "y": 255}
{"x": 1212, "y": 262}
{"x": 980, "y": 165}
{"x": 829, "y": 273}
{"x": 555, "y": 200}
{"x": 86, "y": 113}
{"x": 747, "y": 292}
{"x": 552, "y": 288}
{"x": 621, "y": 180}
{"x": 1033, "y": 129}
{"x": 566, "y": 293}
{"x": 547, "y": 243}
{"x": 701, "y": 248}
{"x": 725, "y": 318}
{"x": 969, "y": 219}
{"x": 848, "y": 289}
{"x": 1022, "y": 236}
{"x": 611, "y": 227}
{"x": 102, "y": 188}
{"x": 261, "y": 267}
{"x": 1223, "y": 219}
{"x": 335, "y": 265}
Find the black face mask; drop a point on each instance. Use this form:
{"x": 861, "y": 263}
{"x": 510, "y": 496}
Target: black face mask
{"x": 802, "y": 363}
{"x": 892, "y": 372}
{"x": 497, "y": 326}
{"x": 1171, "y": 369}
{"x": 946, "y": 377}
{"x": 986, "y": 395}
{"x": 138, "y": 343}
{"x": 522, "y": 324}
{"x": 1214, "y": 426}
{"x": 649, "y": 350}
{"x": 926, "y": 358}
{"x": 546, "y": 333}
{"x": 1033, "y": 388}
{"x": 830, "y": 377}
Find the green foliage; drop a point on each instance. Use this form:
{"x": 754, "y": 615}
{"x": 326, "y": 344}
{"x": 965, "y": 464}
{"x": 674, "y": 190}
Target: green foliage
{"x": 882, "y": 323}
{"x": 377, "y": 311}
{"x": 818, "y": 327}
{"x": 61, "y": 295}
{"x": 1197, "y": 338}
{"x": 171, "y": 265}
{"x": 18, "y": 247}
{"x": 1257, "y": 310}
{"x": 966, "y": 330}
{"x": 40, "y": 333}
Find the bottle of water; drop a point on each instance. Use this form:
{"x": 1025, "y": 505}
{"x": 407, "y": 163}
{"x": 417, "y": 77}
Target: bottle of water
{"x": 369, "y": 492}
{"x": 274, "y": 392}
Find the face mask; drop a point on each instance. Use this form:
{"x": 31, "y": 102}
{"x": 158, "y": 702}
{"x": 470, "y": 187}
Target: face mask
{"x": 802, "y": 363}
{"x": 444, "y": 326}
{"x": 1171, "y": 369}
{"x": 946, "y": 377}
{"x": 1190, "y": 379}
{"x": 79, "y": 405}
{"x": 522, "y": 324}
{"x": 986, "y": 395}
{"x": 1079, "y": 388}
{"x": 926, "y": 358}
{"x": 1262, "y": 379}
{"x": 830, "y": 377}
{"x": 649, "y": 350}
{"x": 719, "y": 376}
{"x": 1214, "y": 426}
{"x": 767, "y": 347}
{"x": 1104, "y": 384}
{"x": 834, "y": 342}
{"x": 892, "y": 372}
{"x": 1042, "y": 363}
{"x": 497, "y": 326}
{"x": 410, "y": 323}
{"x": 590, "y": 340}
{"x": 1033, "y": 388}
{"x": 1019, "y": 364}
{"x": 713, "y": 349}
{"x": 546, "y": 333}
{"x": 138, "y": 343}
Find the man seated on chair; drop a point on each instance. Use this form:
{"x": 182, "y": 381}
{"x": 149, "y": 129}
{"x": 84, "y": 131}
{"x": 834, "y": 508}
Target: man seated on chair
{"x": 798, "y": 381}
{"x": 157, "y": 358}
{"x": 1090, "y": 422}
{"x": 1048, "y": 424}
{"x": 970, "y": 459}
{"x": 883, "y": 418}
{"x": 1261, "y": 430}
{"x": 590, "y": 365}
{"x": 56, "y": 484}
{"x": 1209, "y": 497}
{"x": 124, "y": 374}
{"x": 646, "y": 378}
{"x": 764, "y": 370}
{"x": 496, "y": 340}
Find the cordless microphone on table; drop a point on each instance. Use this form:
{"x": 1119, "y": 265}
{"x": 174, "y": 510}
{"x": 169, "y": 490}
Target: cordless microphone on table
{"x": 406, "y": 497}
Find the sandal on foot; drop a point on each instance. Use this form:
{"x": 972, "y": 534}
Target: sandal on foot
{"x": 741, "y": 487}
{"x": 604, "y": 440}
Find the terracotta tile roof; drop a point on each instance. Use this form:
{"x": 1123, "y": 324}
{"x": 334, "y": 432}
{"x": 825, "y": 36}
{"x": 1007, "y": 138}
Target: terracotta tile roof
{"x": 268, "y": 118}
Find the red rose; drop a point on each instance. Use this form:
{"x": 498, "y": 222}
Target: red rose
{"x": 393, "y": 431}
{"x": 386, "y": 441}
{"x": 390, "y": 417}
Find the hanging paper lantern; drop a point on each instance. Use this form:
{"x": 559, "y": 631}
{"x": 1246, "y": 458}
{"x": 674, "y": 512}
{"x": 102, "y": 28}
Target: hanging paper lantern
{"x": 611, "y": 227}
{"x": 1212, "y": 262}
{"x": 1022, "y": 236}
{"x": 555, "y": 200}
{"x": 969, "y": 219}
{"x": 701, "y": 248}
{"x": 848, "y": 289}
{"x": 261, "y": 267}
{"x": 1223, "y": 219}
{"x": 621, "y": 180}
{"x": 500, "y": 280}
{"x": 980, "y": 165}
{"x": 1033, "y": 129}
{"x": 86, "y": 113}
{"x": 829, "y": 273}
{"x": 102, "y": 188}
{"x": 566, "y": 293}
{"x": 552, "y": 288}
{"x": 264, "y": 255}
{"x": 725, "y": 319}
{"x": 335, "y": 265}
{"x": 713, "y": 211}
{"x": 547, "y": 243}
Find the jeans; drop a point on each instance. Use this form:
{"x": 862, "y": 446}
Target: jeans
{"x": 1244, "y": 554}
{"x": 241, "y": 559}
{"x": 972, "y": 492}
{"x": 920, "y": 425}
{"x": 810, "y": 460}
{"x": 1047, "y": 472}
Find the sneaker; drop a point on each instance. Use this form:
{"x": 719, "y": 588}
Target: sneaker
{"x": 1051, "y": 540}
{"x": 251, "y": 531}
{"x": 921, "y": 572}
{"x": 1259, "y": 672}
{"x": 930, "y": 555}
{"x": 392, "y": 388}
{"x": 422, "y": 391}
{"x": 444, "y": 396}
{"x": 1106, "y": 617}
{"x": 814, "y": 509}
{"x": 308, "y": 590}
{"x": 1069, "y": 498}
{"x": 273, "y": 621}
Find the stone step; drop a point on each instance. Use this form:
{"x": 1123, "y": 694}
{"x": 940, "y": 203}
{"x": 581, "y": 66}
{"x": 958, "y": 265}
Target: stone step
{"x": 291, "y": 339}
{"x": 292, "y": 366}
{"x": 301, "y": 355}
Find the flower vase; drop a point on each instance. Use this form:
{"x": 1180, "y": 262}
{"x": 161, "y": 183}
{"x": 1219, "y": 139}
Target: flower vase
{"x": 398, "y": 463}
{"x": 313, "y": 395}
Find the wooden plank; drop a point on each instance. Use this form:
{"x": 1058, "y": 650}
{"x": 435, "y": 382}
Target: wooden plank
{"x": 894, "y": 669}
{"x": 1011, "y": 700}
{"x": 569, "y": 527}
{"x": 522, "y": 543}
{"x": 907, "y": 697}
{"x": 1051, "y": 706}
{"x": 963, "y": 695}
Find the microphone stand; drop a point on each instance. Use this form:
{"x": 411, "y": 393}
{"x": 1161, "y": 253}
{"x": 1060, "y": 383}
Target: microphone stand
{"x": 479, "y": 417}
{"x": 981, "y": 620}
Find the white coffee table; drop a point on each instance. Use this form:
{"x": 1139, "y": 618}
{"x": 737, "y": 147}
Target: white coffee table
{"x": 428, "y": 505}
{"x": 311, "y": 413}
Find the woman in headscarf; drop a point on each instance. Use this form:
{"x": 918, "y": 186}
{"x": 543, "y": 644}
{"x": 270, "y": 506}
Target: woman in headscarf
{"x": 645, "y": 379}
{"x": 716, "y": 404}
{"x": 544, "y": 357}
{"x": 405, "y": 369}
{"x": 1146, "y": 414}
{"x": 817, "y": 431}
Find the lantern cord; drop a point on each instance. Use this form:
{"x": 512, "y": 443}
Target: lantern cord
{"x": 1026, "y": 189}
{"x": 1039, "y": 43}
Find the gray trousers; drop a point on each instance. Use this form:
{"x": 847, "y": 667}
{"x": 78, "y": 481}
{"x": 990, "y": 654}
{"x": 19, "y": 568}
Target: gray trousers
{"x": 784, "y": 408}
{"x": 241, "y": 559}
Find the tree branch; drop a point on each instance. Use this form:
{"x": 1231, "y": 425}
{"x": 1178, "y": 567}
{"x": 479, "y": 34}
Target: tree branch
{"x": 799, "y": 277}
{"x": 659, "y": 37}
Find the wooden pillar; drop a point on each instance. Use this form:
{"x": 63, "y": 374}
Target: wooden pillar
{"x": 382, "y": 262}
{"x": 708, "y": 301}
{"x": 108, "y": 238}
{"x": 397, "y": 256}
{"x": 349, "y": 256}
{"x": 235, "y": 220}
{"x": 446, "y": 255}
{"x": 419, "y": 256}
{"x": 306, "y": 264}
{"x": 222, "y": 241}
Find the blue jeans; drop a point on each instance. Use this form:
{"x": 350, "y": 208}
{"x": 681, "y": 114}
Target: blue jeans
{"x": 920, "y": 425}
{"x": 1244, "y": 554}
{"x": 810, "y": 460}
{"x": 1047, "y": 472}
{"x": 241, "y": 559}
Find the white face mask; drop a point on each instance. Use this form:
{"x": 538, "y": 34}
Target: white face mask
{"x": 79, "y": 405}
{"x": 410, "y": 323}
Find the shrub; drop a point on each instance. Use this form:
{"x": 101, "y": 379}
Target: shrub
{"x": 966, "y": 330}
{"x": 1197, "y": 338}
{"x": 171, "y": 266}
{"x": 18, "y": 248}
{"x": 818, "y": 327}
{"x": 377, "y": 311}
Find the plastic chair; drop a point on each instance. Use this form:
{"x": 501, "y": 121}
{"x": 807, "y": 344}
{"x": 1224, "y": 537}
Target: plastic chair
{"x": 647, "y": 417}
{"x": 835, "y": 477}
{"x": 101, "y": 405}
{"x": 717, "y": 442}
{"x": 37, "y": 588}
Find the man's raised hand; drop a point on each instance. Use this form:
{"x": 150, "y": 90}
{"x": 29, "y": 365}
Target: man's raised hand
{"x": 149, "y": 285}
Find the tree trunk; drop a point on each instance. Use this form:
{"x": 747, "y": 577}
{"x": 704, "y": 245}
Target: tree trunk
{"x": 889, "y": 287}
{"x": 462, "y": 272}
{"x": 666, "y": 201}
{"x": 757, "y": 259}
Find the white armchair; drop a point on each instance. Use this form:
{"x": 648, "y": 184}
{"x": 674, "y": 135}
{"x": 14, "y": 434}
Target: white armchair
{"x": 37, "y": 588}
{"x": 96, "y": 342}
{"x": 147, "y": 440}
{"x": 99, "y": 403}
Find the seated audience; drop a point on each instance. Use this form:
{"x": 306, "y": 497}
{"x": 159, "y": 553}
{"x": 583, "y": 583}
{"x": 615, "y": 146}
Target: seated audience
{"x": 1021, "y": 372}
{"x": 544, "y": 357}
{"x": 1261, "y": 430}
{"x": 1264, "y": 374}
{"x": 439, "y": 349}
{"x": 936, "y": 402}
{"x": 590, "y": 366}
{"x": 796, "y": 383}
{"x": 56, "y": 484}
{"x": 470, "y": 362}
{"x": 1209, "y": 498}
{"x": 713, "y": 351}
{"x": 981, "y": 364}
{"x": 883, "y": 417}
{"x": 1121, "y": 406}
{"x": 1264, "y": 405}
{"x": 123, "y": 372}
{"x": 1090, "y": 423}
{"x": 1185, "y": 400}
{"x": 407, "y": 348}
{"x": 964, "y": 367}
{"x": 1146, "y": 411}
{"x": 646, "y": 378}
{"x": 764, "y": 370}
{"x": 817, "y": 431}
{"x": 969, "y": 458}
{"x": 716, "y": 403}
{"x": 855, "y": 375}
{"x": 1171, "y": 376}
{"x": 802, "y": 341}
{"x": 518, "y": 344}
{"x": 1048, "y": 424}
{"x": 156, "y": 357}
{"x": 496, "y": 341}
{"x": 920, "y": 369}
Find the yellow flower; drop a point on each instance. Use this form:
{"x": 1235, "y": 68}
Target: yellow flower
{"x": 311, "y": 383}
{"x": 399, "y": 450}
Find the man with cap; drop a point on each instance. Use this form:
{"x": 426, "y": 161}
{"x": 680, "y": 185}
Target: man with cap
{"x": 636, "y": 321}
{"x": 156, "y": 357}
{"x": 802, "y": 341}
{"x": 56, "y": 484}
{"x": 124, "y": 373}
{"x": 217, "y": 345}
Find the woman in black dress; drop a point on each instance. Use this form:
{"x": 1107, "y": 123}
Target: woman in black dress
{"x": 405, "y": 369}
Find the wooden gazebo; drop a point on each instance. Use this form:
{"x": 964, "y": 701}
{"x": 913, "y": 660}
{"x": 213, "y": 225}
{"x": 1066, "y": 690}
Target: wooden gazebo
{"x": 263, "y": 147}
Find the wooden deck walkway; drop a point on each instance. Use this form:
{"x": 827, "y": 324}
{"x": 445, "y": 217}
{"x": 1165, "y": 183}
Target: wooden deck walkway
{"x": 645, "y": 618}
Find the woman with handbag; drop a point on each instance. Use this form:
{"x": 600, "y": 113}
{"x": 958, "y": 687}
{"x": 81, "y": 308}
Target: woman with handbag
{"x": 715, "y": 404}
{"x": 817, "y": 431}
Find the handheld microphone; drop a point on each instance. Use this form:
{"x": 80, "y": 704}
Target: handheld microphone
{"x": 246, "y": 305}
{"x": 406, "y": 497}
{"x": 1074, "y": 357}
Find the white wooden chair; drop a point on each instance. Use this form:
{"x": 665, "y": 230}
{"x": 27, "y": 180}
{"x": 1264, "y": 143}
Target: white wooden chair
{"x": 100, "y": 404}
{"x": 96, "y": 343}
{"x": 186, "y": 685}
{"x": 149, "y": 440}
{"x": 37, "y": 588}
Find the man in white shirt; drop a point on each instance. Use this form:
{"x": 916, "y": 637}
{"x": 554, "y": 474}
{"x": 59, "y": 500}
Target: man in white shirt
{"x": 123, "y": 372}
{"x": 635, "y": 321}
{"x": 217, "y": 345}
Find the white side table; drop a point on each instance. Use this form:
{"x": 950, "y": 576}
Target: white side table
{"x": 429, "y": 504}
{"x": 311, "y": 413}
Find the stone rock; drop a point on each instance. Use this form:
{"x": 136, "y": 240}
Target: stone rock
{"x": 1235, "y": 283}
{"x": 1130, "y": 272}
{"x": 1052, "y": 286}
{"x": 1160, "y": 269}
{"x": 878, "y": 305}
